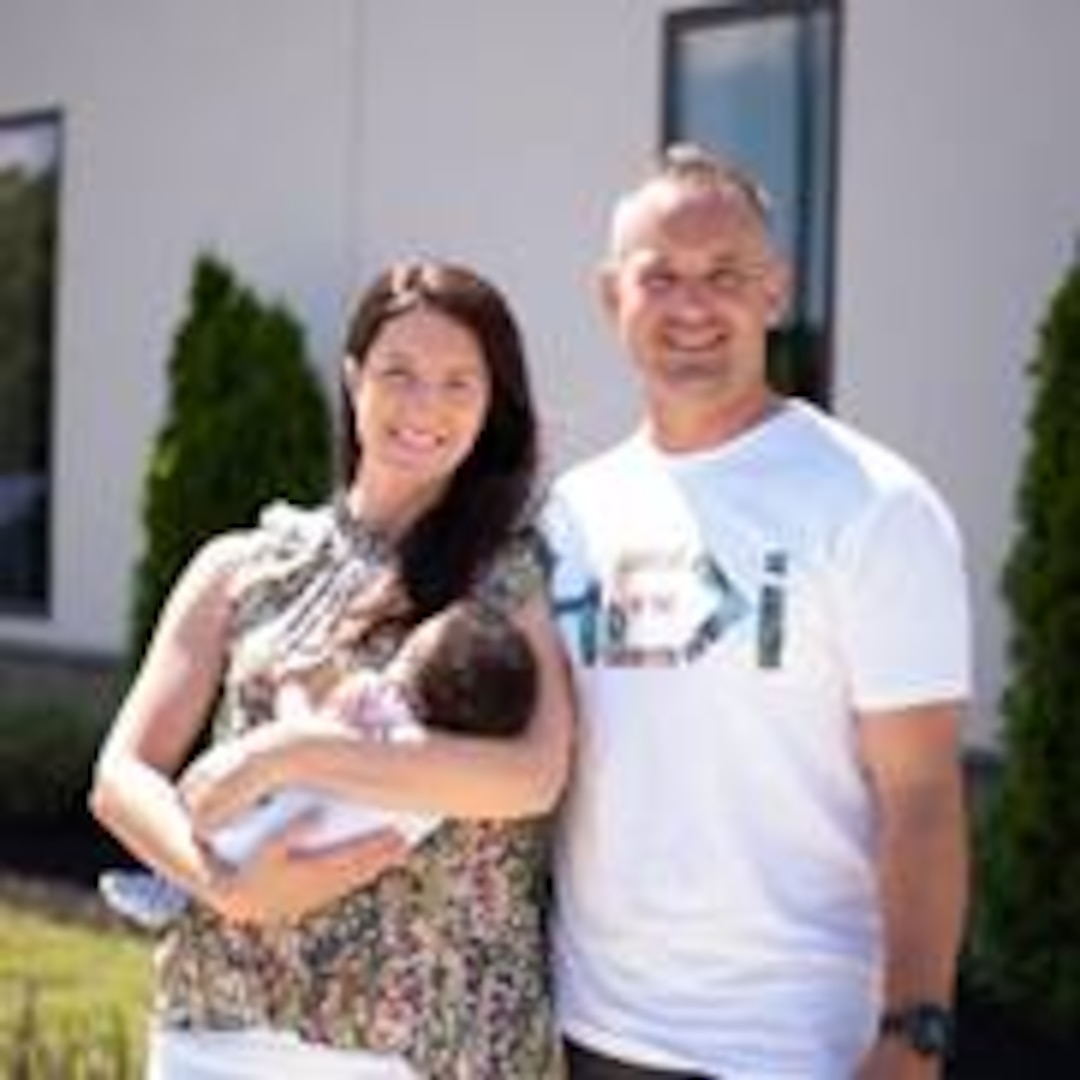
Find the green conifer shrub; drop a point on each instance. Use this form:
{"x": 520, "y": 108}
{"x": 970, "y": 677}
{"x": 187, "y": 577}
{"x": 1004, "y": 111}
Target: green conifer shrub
{"x": 1026, "y": 936}
{"x": 247, "y": 421}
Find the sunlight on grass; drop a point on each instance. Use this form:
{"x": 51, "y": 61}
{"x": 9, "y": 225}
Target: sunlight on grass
{"x": 73, "y": 996}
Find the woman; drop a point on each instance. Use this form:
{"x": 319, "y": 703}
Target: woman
{"x": 372, "y": 960}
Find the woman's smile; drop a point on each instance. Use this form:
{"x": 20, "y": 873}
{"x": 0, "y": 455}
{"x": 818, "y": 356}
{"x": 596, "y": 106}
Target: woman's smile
{"x": 421, "y": 400}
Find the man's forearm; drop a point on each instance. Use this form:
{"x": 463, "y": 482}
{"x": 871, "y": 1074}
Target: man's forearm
{"x": 923, "y": 872}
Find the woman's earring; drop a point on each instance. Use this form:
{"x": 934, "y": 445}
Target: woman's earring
{"x": 350, "y": 374}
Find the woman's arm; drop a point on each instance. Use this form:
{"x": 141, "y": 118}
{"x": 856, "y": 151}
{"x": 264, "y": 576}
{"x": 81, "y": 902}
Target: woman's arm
{"x": 166, "y": 708}
{"x": 464, "y": 777}
{"x": 135, "y": 797}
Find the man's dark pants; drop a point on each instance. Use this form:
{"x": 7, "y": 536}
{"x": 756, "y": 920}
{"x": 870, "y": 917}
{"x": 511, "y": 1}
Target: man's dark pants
{"x": 585, "y": 1064}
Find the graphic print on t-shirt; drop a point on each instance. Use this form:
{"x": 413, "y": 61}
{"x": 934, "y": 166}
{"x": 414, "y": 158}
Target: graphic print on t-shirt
{"x": 660, "y": 608}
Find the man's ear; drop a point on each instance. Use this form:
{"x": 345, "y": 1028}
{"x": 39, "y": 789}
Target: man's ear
{"x": 778, "y": 291}
{"x": 607, "y": 289}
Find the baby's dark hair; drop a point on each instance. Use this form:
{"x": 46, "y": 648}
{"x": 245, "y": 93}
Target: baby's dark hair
{"x": 479, "y": 676}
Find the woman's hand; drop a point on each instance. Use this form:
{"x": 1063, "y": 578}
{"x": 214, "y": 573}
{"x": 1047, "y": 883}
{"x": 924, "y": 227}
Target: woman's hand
{"x": 281, "y": 883}
{"x": 231, "y": 776}
{"x": 220, "y": 783}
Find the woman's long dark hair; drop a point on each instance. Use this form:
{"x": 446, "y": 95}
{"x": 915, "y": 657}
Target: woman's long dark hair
{"x": 486, "y": 499}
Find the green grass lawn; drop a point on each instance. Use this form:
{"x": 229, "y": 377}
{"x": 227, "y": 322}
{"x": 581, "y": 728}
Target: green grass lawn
{"x": 74, "y": 987}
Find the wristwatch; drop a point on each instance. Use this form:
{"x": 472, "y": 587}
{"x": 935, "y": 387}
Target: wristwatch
{"x": 926, "y": 1026}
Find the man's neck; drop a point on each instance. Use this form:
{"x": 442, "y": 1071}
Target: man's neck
{"x": 686, "y": 431}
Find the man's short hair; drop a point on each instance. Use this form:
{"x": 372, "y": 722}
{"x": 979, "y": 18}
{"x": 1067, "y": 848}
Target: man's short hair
{"x": 691, "y": 162}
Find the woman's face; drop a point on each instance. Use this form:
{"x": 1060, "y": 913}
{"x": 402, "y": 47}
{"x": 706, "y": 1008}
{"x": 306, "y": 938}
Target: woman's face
{"x": 420, "y": 399}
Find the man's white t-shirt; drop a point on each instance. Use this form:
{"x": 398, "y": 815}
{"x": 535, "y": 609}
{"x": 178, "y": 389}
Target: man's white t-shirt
{"x": 727, "y": 613}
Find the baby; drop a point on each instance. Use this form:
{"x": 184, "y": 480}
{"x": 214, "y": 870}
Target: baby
{"x": 467, "y": 669}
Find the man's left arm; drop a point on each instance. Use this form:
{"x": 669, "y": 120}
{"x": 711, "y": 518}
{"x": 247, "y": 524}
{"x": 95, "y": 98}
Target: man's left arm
{"x": 912, "y": 761}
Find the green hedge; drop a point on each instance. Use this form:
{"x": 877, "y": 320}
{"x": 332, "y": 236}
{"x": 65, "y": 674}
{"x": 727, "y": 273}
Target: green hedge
{"x": 47, "y": 752}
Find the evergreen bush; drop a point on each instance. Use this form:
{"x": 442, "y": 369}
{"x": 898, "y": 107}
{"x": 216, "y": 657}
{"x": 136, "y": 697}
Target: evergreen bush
{"x": 1026, "y": 940}
{"x": 47, "y": 751}
{"x": 247, "y": 422}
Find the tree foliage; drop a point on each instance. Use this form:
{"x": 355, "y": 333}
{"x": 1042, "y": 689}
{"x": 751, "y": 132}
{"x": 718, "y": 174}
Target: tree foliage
{"x": 1027, "y": 931}
{"x": 27, "y": 235}
{"x": 28, "y": 208}
{"x": 247, "y": 422}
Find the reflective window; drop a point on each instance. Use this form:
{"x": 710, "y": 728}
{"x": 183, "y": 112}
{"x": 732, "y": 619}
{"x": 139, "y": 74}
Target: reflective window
{"x": 29, "y": 183}
{"x": 757, "y": 82}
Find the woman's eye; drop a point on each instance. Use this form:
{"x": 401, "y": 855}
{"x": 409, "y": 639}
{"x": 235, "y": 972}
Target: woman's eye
{"x": 464, "y": 386}
{"x": 396, "y": 376}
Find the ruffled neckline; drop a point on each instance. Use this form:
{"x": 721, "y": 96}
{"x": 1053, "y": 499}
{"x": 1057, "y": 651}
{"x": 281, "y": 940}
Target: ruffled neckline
{"x": 360, "y": 535}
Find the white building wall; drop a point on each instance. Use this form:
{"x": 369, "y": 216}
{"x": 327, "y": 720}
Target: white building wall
{"x": 960, "y": 207}
{"x": 208, "y": 123}
{"x": 312, "y": 142}
{"x": 513, "y": 125}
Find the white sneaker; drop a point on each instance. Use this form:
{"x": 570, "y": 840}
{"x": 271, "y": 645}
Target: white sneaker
{"x": 146, "y": 899}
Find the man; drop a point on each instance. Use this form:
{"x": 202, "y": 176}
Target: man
{"x": 762, "y": 869}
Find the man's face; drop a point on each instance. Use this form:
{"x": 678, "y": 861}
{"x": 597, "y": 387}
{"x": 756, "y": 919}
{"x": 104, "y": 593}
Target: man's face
{"x": 692, "y": 290}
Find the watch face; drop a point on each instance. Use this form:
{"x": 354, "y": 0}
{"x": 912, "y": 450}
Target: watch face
{"x": 926, "y": 1027}
{"x": 930, "y": 1030}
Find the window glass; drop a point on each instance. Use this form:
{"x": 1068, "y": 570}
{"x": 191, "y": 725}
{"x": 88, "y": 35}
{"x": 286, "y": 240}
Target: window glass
{"x": 29, "y": 182}
{"x": 757, "y": 82}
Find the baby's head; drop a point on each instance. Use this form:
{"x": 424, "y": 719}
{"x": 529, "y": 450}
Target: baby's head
{"x": 468, "y": 669}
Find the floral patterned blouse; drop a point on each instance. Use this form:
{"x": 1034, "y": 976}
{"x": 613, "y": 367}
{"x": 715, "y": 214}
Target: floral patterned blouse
{"x": 440, "y": 960}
